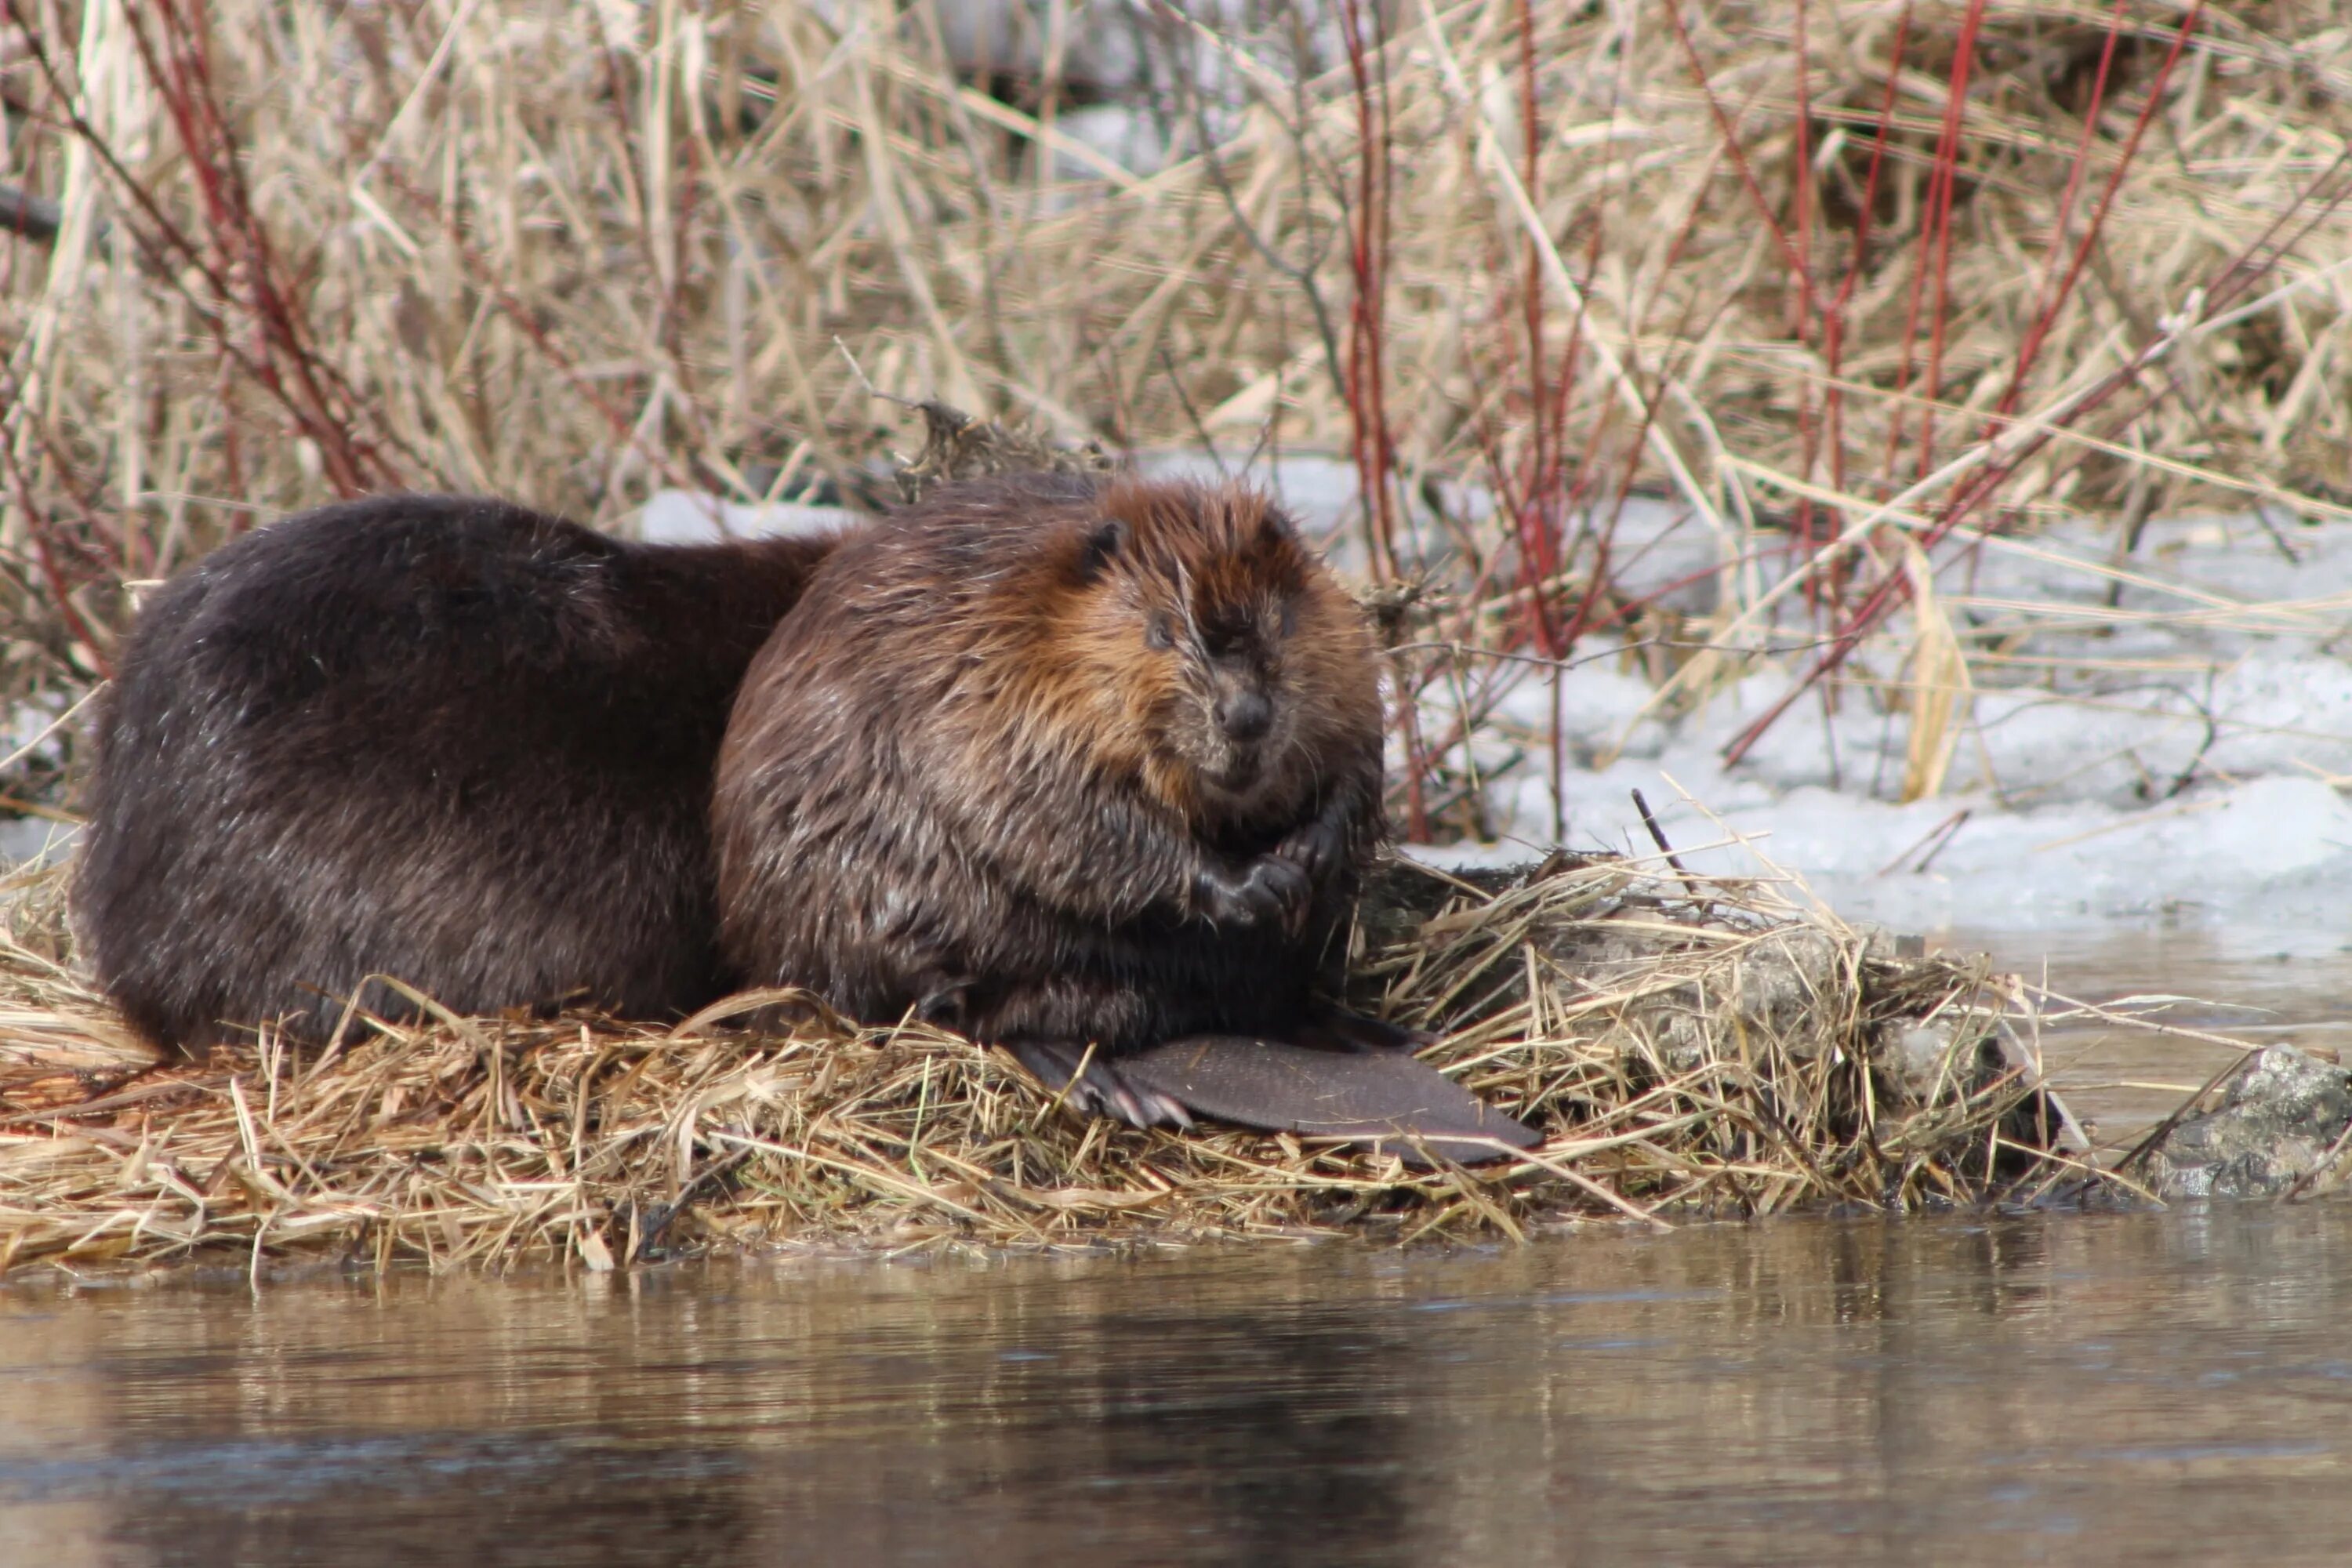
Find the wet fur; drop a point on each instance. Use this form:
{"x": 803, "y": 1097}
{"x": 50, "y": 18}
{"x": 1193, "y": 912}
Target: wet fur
{"x": 961, "y": 780}
{"x": 445, "y": 739}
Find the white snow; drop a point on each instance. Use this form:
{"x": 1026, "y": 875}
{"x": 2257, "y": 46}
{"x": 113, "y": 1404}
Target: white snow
{"x": 2173, "y": 753}
{"x": 689, "y": 517}
{"x": 34, "y": 841}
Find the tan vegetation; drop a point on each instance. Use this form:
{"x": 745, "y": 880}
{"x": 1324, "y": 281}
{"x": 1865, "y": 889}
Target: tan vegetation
{"x": 1687, "y": 1048}
{"x": 568, "y": 253}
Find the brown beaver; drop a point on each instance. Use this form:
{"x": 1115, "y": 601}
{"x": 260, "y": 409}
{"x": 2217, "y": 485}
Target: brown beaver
{"x": 1064, "y": 762}
{"x": 445, "y": 739}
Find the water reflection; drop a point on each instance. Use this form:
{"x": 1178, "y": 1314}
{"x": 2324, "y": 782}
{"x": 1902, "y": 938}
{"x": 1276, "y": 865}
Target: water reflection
{"x": 2283, "y": 985}
{"x": 2243, "y": 973}
{"x": 2141, "y": 1385}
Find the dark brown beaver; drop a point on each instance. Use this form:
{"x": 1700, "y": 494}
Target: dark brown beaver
{"x": 444, "y": 739}
{"x": 1060, "y": 762}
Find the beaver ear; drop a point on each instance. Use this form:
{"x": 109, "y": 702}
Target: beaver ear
{"x": 1103, "y": 542}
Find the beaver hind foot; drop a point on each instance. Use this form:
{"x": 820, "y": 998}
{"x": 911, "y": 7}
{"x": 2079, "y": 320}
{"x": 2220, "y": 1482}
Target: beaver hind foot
{"x": 1381, "y": 1097}
{"x": 1094, "y": 1087}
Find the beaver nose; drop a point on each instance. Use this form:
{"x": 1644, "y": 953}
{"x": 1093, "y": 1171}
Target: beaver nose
{"x": 1244, "y": 715}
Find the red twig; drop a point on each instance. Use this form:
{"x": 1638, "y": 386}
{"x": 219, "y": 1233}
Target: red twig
{"x": 2048, "y": 316}
{"x": 1537, "y": 517}
{"x": 2238, "y": 275}
{"x": 41, "y": 531}
{"x": 1833, "y": 327}
{"x": 169, "y": 251}
{"x": 1801, "y": 183}
{"x": 178, "y": 60}
{"x": 1740, "y": 163}
{"x": 1368, "y": 255}
{"x": 2249, "y": 267}
{"x": 1947, "y": 170}
{"x": 1368, "y": 249}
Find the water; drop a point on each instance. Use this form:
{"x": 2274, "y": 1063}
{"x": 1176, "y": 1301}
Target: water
{"x": 2266, "y": 984}
{"x": 2144, "y": 1388}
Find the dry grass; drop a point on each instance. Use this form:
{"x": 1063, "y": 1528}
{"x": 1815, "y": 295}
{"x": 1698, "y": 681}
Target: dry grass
{"x": 571, "y": 252}
{"x": 1705, "y": 1048}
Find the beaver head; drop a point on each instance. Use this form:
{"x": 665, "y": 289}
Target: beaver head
{"x": 1222, "y": 663}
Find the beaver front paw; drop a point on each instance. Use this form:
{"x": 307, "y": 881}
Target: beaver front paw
{"x": 1319, "y": 847}
{"x": 1271, "y": 890}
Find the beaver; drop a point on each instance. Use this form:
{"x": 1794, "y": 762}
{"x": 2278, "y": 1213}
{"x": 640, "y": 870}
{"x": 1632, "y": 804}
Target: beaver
{"x": 1071, "y": 763}
{"x": 444, "y": 739}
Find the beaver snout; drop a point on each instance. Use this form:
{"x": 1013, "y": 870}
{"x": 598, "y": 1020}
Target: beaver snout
{"x": 1244, "y": 715}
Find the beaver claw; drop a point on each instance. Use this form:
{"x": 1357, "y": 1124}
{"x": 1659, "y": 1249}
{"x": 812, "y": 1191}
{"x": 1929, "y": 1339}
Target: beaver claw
{"x": 1272, "y": 889}
{"x": 1319, "y": 847}
{"x": 1096, "y": 1089}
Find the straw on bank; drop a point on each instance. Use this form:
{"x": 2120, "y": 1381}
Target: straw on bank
{"x": 1684, "y": 1048}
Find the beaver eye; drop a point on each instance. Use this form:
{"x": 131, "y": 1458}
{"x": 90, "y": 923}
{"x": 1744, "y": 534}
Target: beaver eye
{"x": 1159, "y": 633}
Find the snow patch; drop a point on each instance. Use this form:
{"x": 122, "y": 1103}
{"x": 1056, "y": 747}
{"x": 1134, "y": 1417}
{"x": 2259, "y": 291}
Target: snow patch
{"x": 692, "y": 517}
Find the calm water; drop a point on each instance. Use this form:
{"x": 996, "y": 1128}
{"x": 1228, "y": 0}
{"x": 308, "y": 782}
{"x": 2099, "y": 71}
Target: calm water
{"x": 2146, "y": 1388}
{"x": 2290, "y": 984}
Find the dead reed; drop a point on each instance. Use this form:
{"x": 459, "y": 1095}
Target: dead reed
{"x": 1687, "y": 1048}
{"x": 1849, "y": 280}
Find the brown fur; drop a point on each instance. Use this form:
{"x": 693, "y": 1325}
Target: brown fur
{"x": 981, "y": 773}
{"x": 440, "y": 738}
